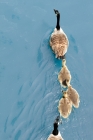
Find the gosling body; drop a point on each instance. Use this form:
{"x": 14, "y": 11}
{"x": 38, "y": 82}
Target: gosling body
{"x": 73, "y": 96}
{"x": 64, "y": 75}
{"x": 65, "y": 106}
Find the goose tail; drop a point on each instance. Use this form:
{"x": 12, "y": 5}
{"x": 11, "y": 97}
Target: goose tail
{"x": 62, "y": 57}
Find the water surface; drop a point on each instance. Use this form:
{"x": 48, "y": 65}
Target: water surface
{"x": 29, "y": 89}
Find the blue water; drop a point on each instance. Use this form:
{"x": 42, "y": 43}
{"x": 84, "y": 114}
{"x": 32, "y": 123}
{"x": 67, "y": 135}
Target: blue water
{"x": 29, "y": 89}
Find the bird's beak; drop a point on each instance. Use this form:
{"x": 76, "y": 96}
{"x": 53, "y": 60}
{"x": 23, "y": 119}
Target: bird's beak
{"x": 55, "y": 11}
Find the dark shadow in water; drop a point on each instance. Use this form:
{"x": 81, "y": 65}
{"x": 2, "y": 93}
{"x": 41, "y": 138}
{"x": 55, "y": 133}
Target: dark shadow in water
{"x": 44, "y": 49}
{"x": 19, "y": 104}
{"x": 5, "y": 126}
{"x": 45, "y": 52}
{"x": 20, "y": 90}
{"x": 17, "y": 135}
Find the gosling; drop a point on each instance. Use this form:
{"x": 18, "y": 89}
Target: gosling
{"x": 65, "y": 105}
{"x": 73, "y": 96}
{"x": 64, "y": 75}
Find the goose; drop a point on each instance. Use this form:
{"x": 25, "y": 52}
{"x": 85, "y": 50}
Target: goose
{"x": 55, "y": 135}
{"x": 58, "y": 39}
{"x": 65, "y": 105}
{"x": 73, "y": 96}
{"x": 64, "y": 75}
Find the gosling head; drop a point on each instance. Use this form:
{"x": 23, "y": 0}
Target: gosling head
{"x": 68, "y": 83}
{"x": 65, "y": 94}
{"x": 63, "y": 62}
{"x": 56, "y": 12}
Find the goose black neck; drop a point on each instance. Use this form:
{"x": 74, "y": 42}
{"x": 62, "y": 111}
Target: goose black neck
{"x": 55, "y": 131}
{"x": 58, "y": 22}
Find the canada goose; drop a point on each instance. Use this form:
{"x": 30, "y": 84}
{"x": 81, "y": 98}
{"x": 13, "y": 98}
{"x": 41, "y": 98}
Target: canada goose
{"x": 64, "y": 75}
{"x": 73, "y": 96}
{"x": 58, "y": 40}
{"x": 65, "y": 105}
{"x": 55, "y": 133}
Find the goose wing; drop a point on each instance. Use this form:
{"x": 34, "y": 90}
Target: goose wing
{"x": 65, "y": 106}
{"x": 59, "y": 43}
{"x": 74, "y": 96}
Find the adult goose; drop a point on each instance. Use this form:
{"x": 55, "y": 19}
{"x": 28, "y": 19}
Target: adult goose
{"x": 55, "y": 135}
{"x": 58, "y": 40}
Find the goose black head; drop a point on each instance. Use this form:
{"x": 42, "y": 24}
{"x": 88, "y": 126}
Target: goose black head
{"x": 56, "y": 12}
{"x": 57, "y": 120}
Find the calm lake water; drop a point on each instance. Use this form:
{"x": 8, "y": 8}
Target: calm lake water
{"x": 29, "y": 89}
